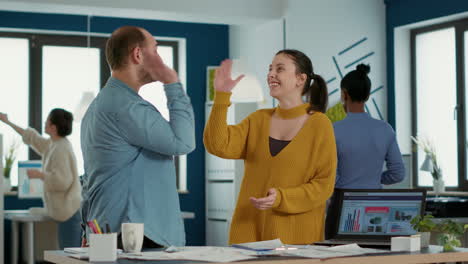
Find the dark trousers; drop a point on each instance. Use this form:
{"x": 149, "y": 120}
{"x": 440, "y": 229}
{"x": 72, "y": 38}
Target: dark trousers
{"x": 331, "y": 220}
{"x": 69, "y": 232}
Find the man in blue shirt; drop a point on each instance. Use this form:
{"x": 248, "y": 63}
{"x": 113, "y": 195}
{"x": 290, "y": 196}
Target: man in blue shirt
{"x": 128, "y": 147}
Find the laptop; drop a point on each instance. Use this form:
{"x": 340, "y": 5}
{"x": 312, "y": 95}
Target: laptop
{"x": 371, "y": 217}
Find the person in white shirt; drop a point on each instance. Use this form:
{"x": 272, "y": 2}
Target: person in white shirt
{"x": 62, "y": 188}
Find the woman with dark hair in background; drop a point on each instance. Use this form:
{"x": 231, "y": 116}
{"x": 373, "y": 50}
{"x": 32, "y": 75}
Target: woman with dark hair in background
{"x": 289, "y": 153}
{"x": 62, "y": 189}
{"x": 363, "y": 143}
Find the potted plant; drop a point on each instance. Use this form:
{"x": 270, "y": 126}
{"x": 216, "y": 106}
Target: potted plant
{"x": 423, "y": 225}
{"x": 10, "y": 158}
{"x": 451, "y": 232}
{"x": 431, "y": 164}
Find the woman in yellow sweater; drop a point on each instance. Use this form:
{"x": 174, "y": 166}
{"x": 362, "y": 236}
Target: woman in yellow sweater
{"x": 289, "y": 153}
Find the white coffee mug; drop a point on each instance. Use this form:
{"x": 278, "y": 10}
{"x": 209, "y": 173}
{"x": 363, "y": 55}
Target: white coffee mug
{"x": 132, "y": 237}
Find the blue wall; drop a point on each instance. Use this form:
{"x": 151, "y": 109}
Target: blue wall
{"x": 403, "y": 12}
{"x": 207, "y": 44}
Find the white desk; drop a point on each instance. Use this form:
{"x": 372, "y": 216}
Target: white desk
{"x": 24, "y": 217}
{"x": 432, "y": 254}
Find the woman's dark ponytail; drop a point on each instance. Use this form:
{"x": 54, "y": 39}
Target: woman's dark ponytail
{"x": 317, "y": 94}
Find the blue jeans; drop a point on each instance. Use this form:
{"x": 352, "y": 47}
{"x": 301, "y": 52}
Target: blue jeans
{"x": 69, "y": 232}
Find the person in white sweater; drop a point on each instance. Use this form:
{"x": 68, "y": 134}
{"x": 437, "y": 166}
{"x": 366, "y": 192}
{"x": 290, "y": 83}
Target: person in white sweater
{"x": 62, "y": 188}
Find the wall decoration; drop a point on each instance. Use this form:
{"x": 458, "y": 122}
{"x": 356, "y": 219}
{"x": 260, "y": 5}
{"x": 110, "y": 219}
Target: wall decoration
{"x": 343, "y": 65}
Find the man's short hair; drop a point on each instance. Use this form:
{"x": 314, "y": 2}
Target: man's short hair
{"x": 122, "y": 41}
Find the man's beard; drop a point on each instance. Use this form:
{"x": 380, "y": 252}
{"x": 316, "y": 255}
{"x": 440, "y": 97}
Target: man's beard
{"x": 145, "y": 77}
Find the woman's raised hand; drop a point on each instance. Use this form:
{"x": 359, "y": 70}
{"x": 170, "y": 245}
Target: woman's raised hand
{"x": 223, "y": 81}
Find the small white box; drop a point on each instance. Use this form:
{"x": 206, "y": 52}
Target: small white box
{"x": 406, "y": 243}
{"x": 103, "y": 247}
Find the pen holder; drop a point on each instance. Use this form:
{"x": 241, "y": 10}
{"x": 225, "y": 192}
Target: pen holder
{"x": 103, "y": 247}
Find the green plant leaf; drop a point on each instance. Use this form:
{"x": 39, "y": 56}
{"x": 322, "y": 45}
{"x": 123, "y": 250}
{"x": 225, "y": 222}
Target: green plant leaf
{"x": 424, "y": 224}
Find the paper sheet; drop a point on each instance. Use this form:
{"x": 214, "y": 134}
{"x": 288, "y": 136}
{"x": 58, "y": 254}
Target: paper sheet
{"x": 355, "y": 248}
{"x": 212, "y": 254}
{"x": 261, "y": 245}
{"x": 230, "y": 254}
{"x": 332, "y": 252}
{"x": 318, "y": 253}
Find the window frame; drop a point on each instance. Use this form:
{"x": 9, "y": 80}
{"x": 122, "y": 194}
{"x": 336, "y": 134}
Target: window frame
{"x": 67, "y": 39}
{"x": 460, "y": 27}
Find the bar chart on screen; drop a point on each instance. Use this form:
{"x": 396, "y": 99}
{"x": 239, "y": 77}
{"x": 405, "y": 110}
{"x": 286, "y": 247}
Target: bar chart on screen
{"x": 352, "y": 222}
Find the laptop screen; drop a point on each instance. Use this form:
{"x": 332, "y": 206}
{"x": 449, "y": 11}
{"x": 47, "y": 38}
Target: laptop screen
{"x": 379, "y": 212}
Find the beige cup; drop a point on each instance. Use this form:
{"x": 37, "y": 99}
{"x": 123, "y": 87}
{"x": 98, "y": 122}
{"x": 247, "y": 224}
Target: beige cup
{"x": 132, "y": 237}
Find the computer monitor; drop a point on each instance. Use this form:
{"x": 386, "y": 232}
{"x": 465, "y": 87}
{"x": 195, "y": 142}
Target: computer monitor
{"x": 377, "y": 213}
{"x": 29, "y": 188}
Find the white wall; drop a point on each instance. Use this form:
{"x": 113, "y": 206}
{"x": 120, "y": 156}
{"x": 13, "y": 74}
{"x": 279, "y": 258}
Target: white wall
{"x": 257, "y": 44}
{"x": 205, "y": 11}
{"x": 319, "y": 28}
{"x": 322, "y": 29}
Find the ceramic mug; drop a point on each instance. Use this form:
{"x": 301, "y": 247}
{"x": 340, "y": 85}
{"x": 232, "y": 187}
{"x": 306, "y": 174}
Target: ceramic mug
{"x": 132, "y": 237}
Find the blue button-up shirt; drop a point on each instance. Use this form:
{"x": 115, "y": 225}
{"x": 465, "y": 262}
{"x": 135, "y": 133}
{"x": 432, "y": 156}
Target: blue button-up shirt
{"x": 363, "y": 145}
{"x": 128, "y": 150}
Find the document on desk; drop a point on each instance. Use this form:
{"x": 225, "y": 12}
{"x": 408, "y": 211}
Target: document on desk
{"x": 355, "y": 248}
{"x": 261, "y": 245}
{"x": 333, "y": 252}
{"x": 148, "y": 255}
{"x": 214, "y": 254}
{"x": 211, "y": 254}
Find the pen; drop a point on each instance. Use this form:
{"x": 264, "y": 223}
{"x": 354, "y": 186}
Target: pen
{"x": 97, "y": 226}
{"x": 92, "y": 227}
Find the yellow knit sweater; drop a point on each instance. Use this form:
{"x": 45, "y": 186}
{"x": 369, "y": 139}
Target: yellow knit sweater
{"x": 303, "y": 174}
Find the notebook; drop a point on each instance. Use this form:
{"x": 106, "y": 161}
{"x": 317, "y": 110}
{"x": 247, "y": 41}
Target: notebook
{"x": 372, "y": 217}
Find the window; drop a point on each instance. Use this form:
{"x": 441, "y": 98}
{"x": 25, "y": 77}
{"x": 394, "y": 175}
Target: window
{"x": 57, "y": 71}
{"x": 438, "y": 99}
{"x": 15, "y": 93}
{"x": 63, "y": 87}
{"x": 154, "y": 92}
